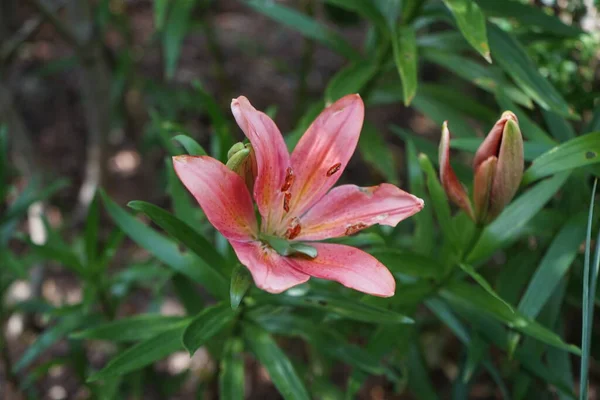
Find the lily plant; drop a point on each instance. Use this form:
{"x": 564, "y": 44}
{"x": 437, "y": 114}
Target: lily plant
{"x": 297, "y": 206}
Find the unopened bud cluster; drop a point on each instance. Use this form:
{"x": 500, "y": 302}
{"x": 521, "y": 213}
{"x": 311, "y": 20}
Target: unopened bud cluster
{"x": 498, "y": 168}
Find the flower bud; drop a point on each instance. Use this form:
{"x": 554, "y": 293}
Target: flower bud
{"x": 498, "y": 166}
{"x": 242, "y": 160}
{"x": 452, "y": 186}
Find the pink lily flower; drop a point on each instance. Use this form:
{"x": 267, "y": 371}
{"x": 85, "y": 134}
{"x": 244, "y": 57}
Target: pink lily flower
{"x": 294, "y": 199}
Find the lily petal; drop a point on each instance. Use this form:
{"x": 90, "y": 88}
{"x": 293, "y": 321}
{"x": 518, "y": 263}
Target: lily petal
{"x": 349, "y": 266}
{"x": 272, "y": 159}
{"x": 324, "y": 151}
{"x": 270, "y": 271}
{"x": 347, "y": 209}
{"x": 221, "y": 193}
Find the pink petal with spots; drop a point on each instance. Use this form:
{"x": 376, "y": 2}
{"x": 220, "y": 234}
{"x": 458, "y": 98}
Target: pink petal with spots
{"x": 221, "y": 193}
{"x": 349, "y": 266}
{"x": 272, "y": 159}
{"x": 347, "y": 209}
{"x": 270, "y": 271}
{"x": 324, "y": 151}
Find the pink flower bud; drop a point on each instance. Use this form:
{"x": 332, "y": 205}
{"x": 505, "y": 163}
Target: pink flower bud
{"x": 452, "y": 186}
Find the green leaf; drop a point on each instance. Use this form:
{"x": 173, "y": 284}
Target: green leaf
{"x": 590, "y": 276}
{"x": 419, "y": 382}
{"x": 367, "y": 9}
{"x": 376, "y": 151}
{"x": 484, "y": 284}
{"x": 404, "y": 45}
{"x": 29, "y": 196}
{"x": 344, "y": 307}
{"x": 175, "y": 30}
{"x": 190, "y": 145}
{"x": 50, "y": 336}
{"x": 286, "y": 248}
{"x": 528, "y": 16}
{"x": 281, "y": 370}
{"x": 305, "y": 25}
{"x": 559, "y": 127}
{"x": 324, "y": 339}
{"x": 581, "y": 151}
{"x": 505, "y": 228}
{"x": 558, "y": 258}
{"x": 474, "y": 297}
{"x": 471, "y": 22}
{"x": 423, "y": 238}
{"x": 60, "y": 253}
{"x": 167, "y": 251}
{"x": 350, "y": 79}
{"x": 223, "y": 141}
{"x": 184, "y": 234}
{"x": 231, "y": 376}
{"x": 205, "y": 325}
{"x": 484, "y": 77}
{"x": 142, "y": 354}
{"x": 241, "y": 280}
{"x": 139, "y": 327}
{"x": 513, "y": 58}
{"x": 439, "y": 201}
{"x": 409, "y": 263}
{"x": 160, "y": 13}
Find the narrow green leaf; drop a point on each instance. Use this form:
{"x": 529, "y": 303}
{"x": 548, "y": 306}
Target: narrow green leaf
{"x": 484, "y": 284}
{"x": 350, "y": 79}
{"x": 513, "y": 58}
{"x": 505, "y": 228}
{"x": 50, "y": 336}
{"x": 205, "y": 325}
{"x": 419, "y": 382}
{"x": 424, "y": 236}
{"x": 281, "y": 370}
{"x": 183, "y": 233}
{"x": 404, "y": 45}
{"x": 528, "y": 16}
{"x": 367, "y": 9}
{"x": 558, "y": 126}
{"x": 142, "y": 354}
{"x": 305, "y": 25}
{"x": 344, "y": 307}
{"x": 28, "y": 197}
{"x": 231, "y": 376}
{"x": 167, "y": 251}
{"x": 439, "y": 200}
{"x": 376, "y": 151}
{"x": 323, "y": 338}
{"x": 139, "y": 327}
{"x": 578, "y": 152}
{"x": 176, "y": 28}
{"x": 190, "y": 145}
{"x": 160, "y": 13}
{"x": 471, "y": 22}
{"x": 590, "y": 276}
{"x": 223, "y": 141}
{"x": 241, "y": 280}
{"x": 474, "y": 297}
{"x": 409, "y": 263}
{"x": 484, "y": 77}
{"x": 558, "y": 258}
